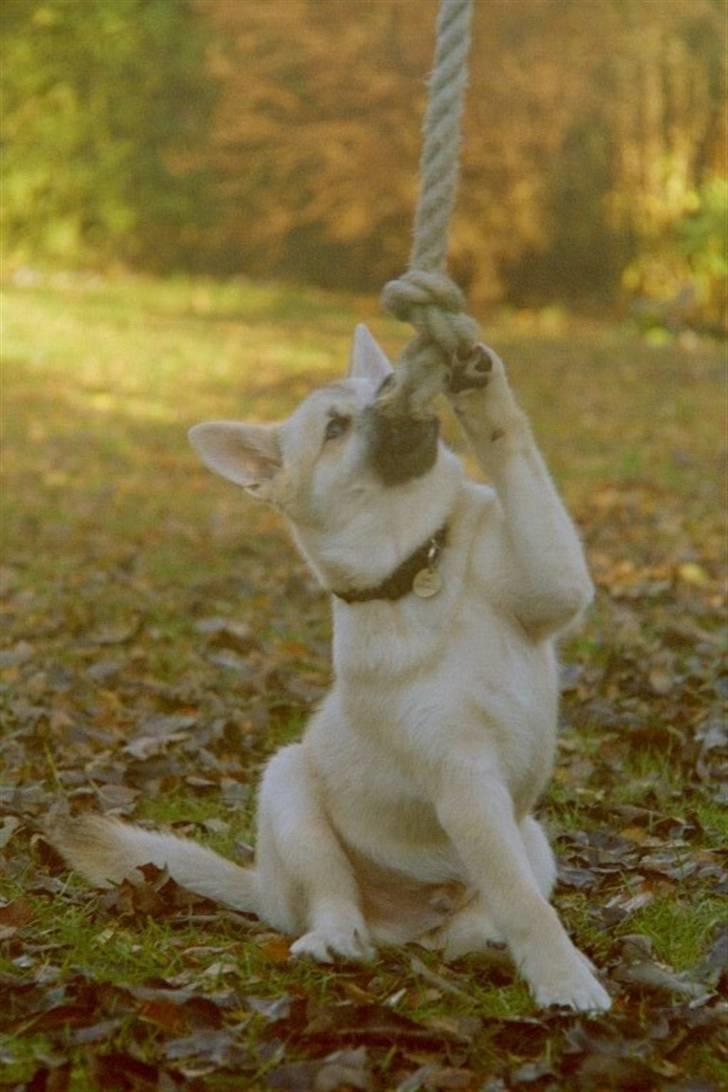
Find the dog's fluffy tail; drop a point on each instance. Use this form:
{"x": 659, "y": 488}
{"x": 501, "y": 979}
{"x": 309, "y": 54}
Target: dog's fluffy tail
{"x": 105, "y": 850}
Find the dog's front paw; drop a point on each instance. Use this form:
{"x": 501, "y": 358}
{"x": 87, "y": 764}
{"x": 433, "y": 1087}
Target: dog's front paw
{"x": 569, "y": 984}
{"x": 328, "y": 945}
{"x": 471, "y": 372}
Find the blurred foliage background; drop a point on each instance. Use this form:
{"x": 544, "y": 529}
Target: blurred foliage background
{"x": 282, "y": 139}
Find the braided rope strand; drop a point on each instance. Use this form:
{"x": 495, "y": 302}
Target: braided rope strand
{"x": 425, "y": 296}
{"x": 439, "y": 162}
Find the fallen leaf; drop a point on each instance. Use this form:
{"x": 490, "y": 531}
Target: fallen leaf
{"x": 118, "y": 798}
{"x": 661, "y": 680}
{"x": 344, "y": 1069}
{"x": 227, "y": 631}
{"x": 692, "y": 573}
{"x": 654, "y": 976}
{"x": 16, "y": 914}
{"x": 276, "y": 948}
{"x": 714, "y": 963}
{"x": 116, "y": 633}
{"x": 8, "y": 826}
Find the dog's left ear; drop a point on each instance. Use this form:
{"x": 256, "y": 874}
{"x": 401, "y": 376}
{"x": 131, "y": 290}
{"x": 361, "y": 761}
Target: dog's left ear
{"x": 248, "y": 455}
{"x": 367, "y": 359}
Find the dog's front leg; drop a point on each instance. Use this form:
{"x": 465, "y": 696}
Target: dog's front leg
{"x": 306, "y": 880}
{"x": 476, "y": 810}
{"x": 549, "y": 582}
{"x": 472, "y": 929}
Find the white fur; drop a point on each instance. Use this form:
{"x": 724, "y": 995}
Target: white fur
{"x": 405, "y": 812}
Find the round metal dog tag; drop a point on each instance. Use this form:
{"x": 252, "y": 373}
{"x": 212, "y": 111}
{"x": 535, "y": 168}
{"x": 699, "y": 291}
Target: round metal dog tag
{"x": 426, "y": 583}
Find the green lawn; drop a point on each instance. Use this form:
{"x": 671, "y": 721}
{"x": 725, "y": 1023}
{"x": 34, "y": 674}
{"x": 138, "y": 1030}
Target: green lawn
{"x": 117, "y": 545}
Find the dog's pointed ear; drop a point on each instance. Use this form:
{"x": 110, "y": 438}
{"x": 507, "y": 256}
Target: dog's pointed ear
{"x": 367, "y": 359}
{"x": 248, "y": 455}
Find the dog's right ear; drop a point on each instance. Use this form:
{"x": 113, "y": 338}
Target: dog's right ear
{"x": 248, "y": 455}
{"x": 367, "y": 361}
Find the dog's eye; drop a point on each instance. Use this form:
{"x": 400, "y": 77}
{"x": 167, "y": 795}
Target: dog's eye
{"x": 337, "y": 426}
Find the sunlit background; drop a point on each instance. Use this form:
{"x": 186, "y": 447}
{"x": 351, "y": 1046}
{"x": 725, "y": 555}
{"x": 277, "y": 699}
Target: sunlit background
{"x": 282, "y": 139}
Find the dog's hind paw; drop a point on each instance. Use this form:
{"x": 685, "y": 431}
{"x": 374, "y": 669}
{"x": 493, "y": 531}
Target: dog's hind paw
{"x": 591, "y": 998}
{"x": 328, "y": 945}
{"x": 468, "y": 930}
{"x": 577, "y": 991}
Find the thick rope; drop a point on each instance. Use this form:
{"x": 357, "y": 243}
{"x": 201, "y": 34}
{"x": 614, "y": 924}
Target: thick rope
{"x": 439, "y": 166}
{"x": 425, "y": 296}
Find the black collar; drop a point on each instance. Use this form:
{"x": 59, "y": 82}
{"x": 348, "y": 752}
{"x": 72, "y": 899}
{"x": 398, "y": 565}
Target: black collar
{"x": 399, "y": 583}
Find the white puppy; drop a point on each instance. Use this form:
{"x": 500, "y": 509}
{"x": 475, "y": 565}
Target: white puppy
{"x": 405, "y": 813}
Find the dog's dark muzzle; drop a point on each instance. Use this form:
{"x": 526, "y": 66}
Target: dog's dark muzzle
{"x": 400, "y": 448}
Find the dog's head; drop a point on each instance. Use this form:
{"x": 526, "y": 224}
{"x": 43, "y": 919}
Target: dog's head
{"x": 333, "y": 455}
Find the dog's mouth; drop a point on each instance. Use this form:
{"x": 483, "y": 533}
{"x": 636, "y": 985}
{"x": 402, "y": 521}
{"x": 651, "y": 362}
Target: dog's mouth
{"x": 400, "y": 448}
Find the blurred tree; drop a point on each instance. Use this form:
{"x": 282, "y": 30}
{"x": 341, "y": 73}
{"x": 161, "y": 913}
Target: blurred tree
{"x": 702, "y": 242}
{"x": 591, "y": 130}
{"x": 104, "y": 102}
{"x": 283, "y": 137}
{"x": 667, "y": 120}
{"x": 642, "y": 157}
{"x": 317, "y": 137}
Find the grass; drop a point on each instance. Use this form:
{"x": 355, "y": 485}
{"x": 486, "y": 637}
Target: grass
{"x": 115, "y": 543}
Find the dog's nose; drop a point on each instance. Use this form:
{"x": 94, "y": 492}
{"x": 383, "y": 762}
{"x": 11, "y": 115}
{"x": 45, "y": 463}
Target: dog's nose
{"x": 400, "y": 448}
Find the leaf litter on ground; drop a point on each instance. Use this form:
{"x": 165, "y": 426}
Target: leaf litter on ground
{"x": 148, "y": 666}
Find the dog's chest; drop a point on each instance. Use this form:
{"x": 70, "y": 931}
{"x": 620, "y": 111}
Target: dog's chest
{"x": 417, "y": 682}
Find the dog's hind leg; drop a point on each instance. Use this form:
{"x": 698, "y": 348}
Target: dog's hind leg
{"x": 468, "y": 931}
{"x": 472, "y": 928}
{"x": 306, "y": 880}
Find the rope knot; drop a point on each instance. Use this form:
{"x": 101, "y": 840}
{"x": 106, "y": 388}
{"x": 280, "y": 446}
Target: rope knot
{"x": 419, "y": 289}
{"x": 435, "y": 306}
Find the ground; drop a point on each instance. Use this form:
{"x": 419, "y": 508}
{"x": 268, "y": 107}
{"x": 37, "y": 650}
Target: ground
{"x": 160, "y": 638}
